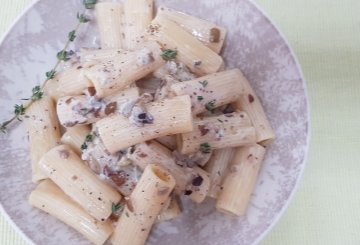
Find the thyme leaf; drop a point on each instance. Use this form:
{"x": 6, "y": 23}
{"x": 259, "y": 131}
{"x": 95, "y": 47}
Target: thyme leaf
{"x": 50, "y": 74}
{"x": 82, "y": 18}
{"x": 205, "y": 148}
{"x": 89, "y": 4}
{"x": 37, "y": 93}
{"x": 89, "y": 138}
{"x": 169, "y": 54}
{"x": 63, "y": 55}
{"x": 83, "y": 146}
{"x": 115, "y": 208}
{"x": 72, "y": 35}
{"x": 19, "y": 110}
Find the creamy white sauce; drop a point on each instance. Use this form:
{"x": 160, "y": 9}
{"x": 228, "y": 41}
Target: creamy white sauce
{"x": 144, "y": 57}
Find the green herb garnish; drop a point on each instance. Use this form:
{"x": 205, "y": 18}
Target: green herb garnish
{"x": 89, "y": 138}
{"x": 204, "y": 83}
{"x": 82, "y": 18}
{"x": 83, "y": 146}
{"x": 205, "y": 148}
{"x": 37, "y": 93}
{"x": 169, "y": 54}
{"x": 3, "y": 128}
{"x": 19, "y": 111}
{"x": 89, "y": 4}
{"x": 115, "y": 208}
{"x": 200, "y": 98}
{"x": 72, "y": 35}
{"x": 63, "y": 55}
{"x": 50, "y": 74}
{"x": 210, "y": 106}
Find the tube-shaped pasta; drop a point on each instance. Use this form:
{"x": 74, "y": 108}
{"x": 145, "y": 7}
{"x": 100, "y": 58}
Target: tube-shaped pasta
{"x": 170, "y": 116}
{"x": 88, "y": 55}
{"x": 153, "y": 152}
{"x": 169, "y": 141}
{"x": 198, "y": 188}
{"x": 171, "y": 212}
{"x": 217, "y": 168}
{"x": 199, "y": 58}
{"x": 240, "y": 182}
{"x": 110, "y": 76}
{"x": 81, "y": 109}
{"x": 138, "y": 15}
{"x": 143, "y": 207}
{"x": 229, "y": 130}
{"x": 110, "y": 24}
{"x": 68, "y": 82}
{"x": 216, "y": 89}
{"x": 75, "y": 137}
{"x": 251, "y": 104}
{"x": 52, "y": 200}
{"x": 67, "y": 170}
{"x": 44, "y": 132}
{"x": 211, "y": 35}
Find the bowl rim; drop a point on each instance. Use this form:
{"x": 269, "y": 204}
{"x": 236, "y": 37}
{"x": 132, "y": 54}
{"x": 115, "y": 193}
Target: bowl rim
{"x": 308, "y": 130}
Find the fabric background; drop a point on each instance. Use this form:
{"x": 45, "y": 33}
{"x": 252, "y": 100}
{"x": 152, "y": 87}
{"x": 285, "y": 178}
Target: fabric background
{"x": 325, "y": 35}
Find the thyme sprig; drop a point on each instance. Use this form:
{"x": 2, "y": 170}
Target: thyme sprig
{"x": 62, "y": 56}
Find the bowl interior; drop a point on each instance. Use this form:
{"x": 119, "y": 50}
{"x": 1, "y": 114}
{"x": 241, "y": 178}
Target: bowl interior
{"x": 253, "y": 44}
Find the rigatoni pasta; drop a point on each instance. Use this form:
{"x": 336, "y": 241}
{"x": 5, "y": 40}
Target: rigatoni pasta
{"x": 152, "y": 152}
{"x": 192, "y": 181}
{"x": 199, "y": 58}
{"x": 138, "y": 15}
{"x": 250, "y": 103}
{"x": 52, "y": 200}
{"x": 144, "y": 206}
{"x": 65, "y": 168}
{"x": 110, "y": 76}
{"x": 172, "y": 116}
{"x": 110, "y": 23}
{"x": 168, "y": 141}
{"x": 211, "y": 91}
{"x": 217, "y": 168}
{"x": 217, "y": 132}
{"x": 236, "y": 190}
{"x": 84, "y": 110}
{"x": 75, "y": 136}
{"x": 89, "y": 55}
{"x": 211, "y": 35}
{"x": 44, "y": 132}
{"x": 68, "y": 82}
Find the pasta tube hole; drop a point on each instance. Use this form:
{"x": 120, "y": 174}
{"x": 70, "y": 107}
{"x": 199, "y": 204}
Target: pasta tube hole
{"x": 161, "y": 173}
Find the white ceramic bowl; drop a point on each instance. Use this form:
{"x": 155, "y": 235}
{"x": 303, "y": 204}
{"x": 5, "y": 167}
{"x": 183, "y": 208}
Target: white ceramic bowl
{"x": 254, "y": 45}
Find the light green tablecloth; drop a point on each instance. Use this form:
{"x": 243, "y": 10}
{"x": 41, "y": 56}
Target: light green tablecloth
{"x": 326, "y": 37}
